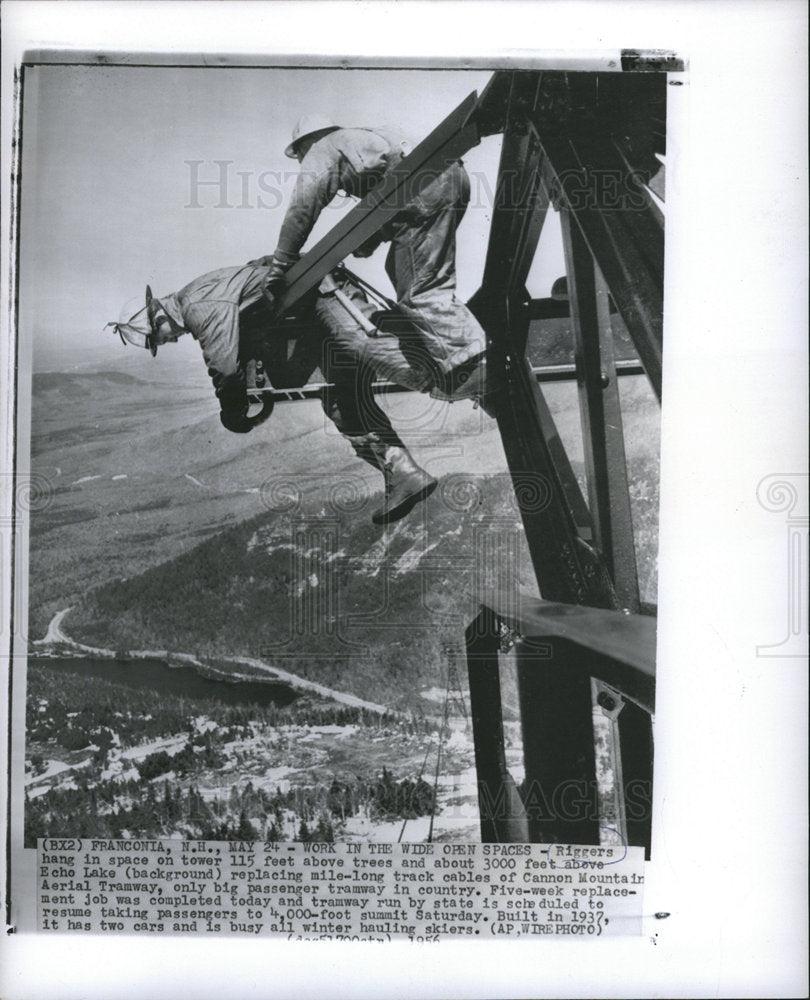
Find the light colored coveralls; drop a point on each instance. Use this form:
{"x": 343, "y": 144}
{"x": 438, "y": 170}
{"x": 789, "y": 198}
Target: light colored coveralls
{"x": 226, "y": 312}
{"x": 421, "y": 259}
{"x": 210, "y": 308}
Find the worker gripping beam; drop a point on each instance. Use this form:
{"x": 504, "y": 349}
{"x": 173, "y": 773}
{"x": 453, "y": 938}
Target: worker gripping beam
{"x": 447, "y": 142}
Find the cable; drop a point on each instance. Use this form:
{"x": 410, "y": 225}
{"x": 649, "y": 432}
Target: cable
{"x": 442, "y": 731}
{"x": 419, "y": 778}
{"x": 364, "y": 286}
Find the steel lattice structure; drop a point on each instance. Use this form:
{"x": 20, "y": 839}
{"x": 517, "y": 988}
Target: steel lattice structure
{"x": 587, "y": 144}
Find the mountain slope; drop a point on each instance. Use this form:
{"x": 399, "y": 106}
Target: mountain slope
{"x": 327, "y": 594}
{"x": 141, "y": 492}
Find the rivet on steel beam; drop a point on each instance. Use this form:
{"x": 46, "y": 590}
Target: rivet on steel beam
{"x": 604, "y": 379}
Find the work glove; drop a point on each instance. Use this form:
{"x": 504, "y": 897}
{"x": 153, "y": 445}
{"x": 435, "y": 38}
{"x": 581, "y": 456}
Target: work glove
{"x": 274, "y": 283}
{"x": 265, "y": 261}
{"x": 242, "y": 423}
{"x": 231, "y": 391}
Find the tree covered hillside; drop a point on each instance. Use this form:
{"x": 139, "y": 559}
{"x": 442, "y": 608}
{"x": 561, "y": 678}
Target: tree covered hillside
{"x": 326, "y": 594}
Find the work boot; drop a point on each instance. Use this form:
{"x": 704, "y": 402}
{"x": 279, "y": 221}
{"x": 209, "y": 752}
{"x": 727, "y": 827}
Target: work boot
{"x": 472, "y": 380}
{"x": 406, "y": 485}
{"x": 467, "y": 380}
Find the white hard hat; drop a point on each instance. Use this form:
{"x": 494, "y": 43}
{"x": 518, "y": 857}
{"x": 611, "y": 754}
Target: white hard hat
{"x": 307, "y": 126}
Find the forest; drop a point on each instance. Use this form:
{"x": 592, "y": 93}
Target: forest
{"x": 106, "y": 785}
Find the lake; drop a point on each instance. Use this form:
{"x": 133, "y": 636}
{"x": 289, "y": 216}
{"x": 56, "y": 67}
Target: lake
{"x": 186, "y": 681}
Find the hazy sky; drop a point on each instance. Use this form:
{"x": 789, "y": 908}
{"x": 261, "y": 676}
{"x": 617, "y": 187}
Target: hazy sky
{"x": 116, "y": 160}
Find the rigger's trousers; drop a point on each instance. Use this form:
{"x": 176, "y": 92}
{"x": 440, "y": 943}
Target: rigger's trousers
{"x": 421, "y": 264}
{"x": 351, "y": 360}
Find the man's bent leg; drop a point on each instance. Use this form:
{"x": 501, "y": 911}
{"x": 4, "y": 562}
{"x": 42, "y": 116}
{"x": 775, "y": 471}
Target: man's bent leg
{"x": 398, "y": 357}
{"x": 421, "y": 264}
{"x": 350, "y": 403}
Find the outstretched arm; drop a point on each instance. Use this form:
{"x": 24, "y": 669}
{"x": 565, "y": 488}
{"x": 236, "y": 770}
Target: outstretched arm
{"x": 318, "y": 183}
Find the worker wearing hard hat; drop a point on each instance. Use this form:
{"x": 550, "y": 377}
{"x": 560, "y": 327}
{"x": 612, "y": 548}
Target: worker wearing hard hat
{"x": 226, "y": 312}
{"x": 421, "y": 258}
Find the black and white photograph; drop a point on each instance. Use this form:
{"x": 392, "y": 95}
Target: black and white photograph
{"x": 342, "y": 390}
{"x": 271, "y": 564}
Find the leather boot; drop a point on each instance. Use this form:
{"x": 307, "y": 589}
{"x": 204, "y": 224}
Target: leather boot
{"x": 406, "y": 484}
{"x": 472, "y": 380}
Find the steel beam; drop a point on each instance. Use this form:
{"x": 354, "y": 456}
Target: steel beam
{"x": 575, "y": 501}
{"x": 521, "y": 203}
{"x": 493, "y": 104}
{"x": 501, "y": 306}
{"x": 503, "y": 818}
{"x": 530, "y": 233}
{"x": 642, "y": 190}
{"x": 627, "y": 200}
{"x": 546, "y": 373}
{"x": 560, "y": 789}
{"x": 601, "y": 415}
{"x": 625, "y": 642}
{"x": 633, "y": 272}
{"x": 636, "y": 748}
{"x": 566, "y": 567}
